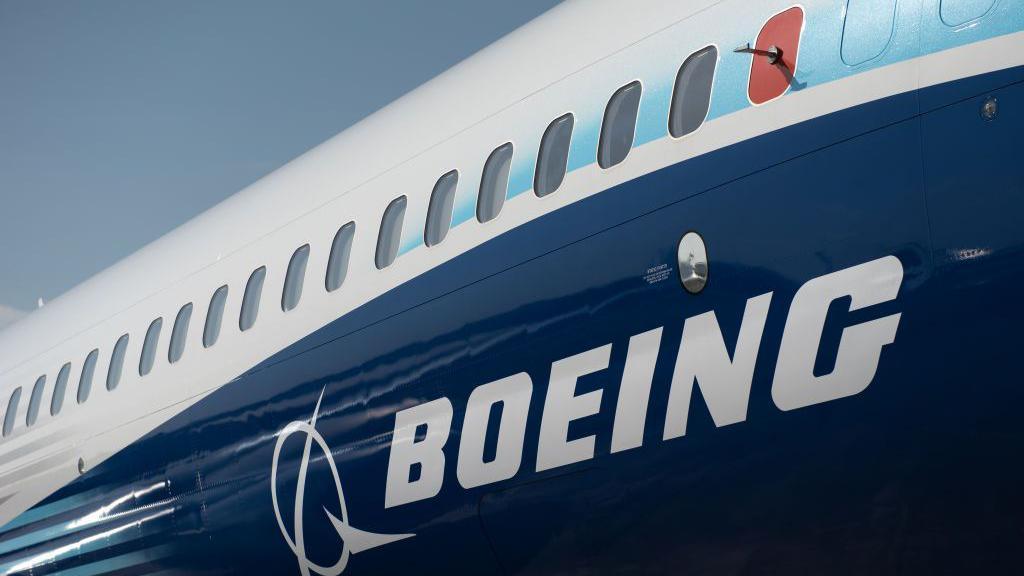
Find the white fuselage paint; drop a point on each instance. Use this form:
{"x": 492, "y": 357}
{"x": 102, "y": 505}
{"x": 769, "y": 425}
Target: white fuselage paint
{"x": 519, "y": 84}
{"x": 514, "y": 394}
{"x": 703, "y": 359}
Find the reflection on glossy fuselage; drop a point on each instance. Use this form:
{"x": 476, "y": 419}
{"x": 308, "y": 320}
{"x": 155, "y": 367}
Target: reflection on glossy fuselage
{"x": 839, "y": 398}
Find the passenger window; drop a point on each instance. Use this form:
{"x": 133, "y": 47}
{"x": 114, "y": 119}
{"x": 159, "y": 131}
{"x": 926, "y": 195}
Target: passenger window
{"x": 957, "y": 12}
{"x": 341, "y": 249}
{"x": 294, "y": 279}
{"x": 554, "y": 156}
{"x": 867, "y": 29}
{"x": 117, "y": 362}
{"x": 390, "y": 233}
{"x": 179, "y": 334}
{"x": 439, "y": 214}
{"x": 149, "y": 347}
{"x": 34, "y": 400}
{"x": 214, "y": 316}
{"x": 494, "y": 183}
{"x": 60, "y": 389}
{"x": 12, "y": 411}
{"x": 88, "y": 371}
{"x": 251, "y": 299}
{"x": 691, "y": 98}
{"x": 619, "y": 125}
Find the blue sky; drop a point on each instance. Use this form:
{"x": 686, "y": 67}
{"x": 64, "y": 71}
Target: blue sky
{"x": 121, "y": 120}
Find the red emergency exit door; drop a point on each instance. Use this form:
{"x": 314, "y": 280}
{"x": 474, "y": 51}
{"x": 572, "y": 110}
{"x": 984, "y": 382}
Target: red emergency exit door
{"x": 768, "y": 79}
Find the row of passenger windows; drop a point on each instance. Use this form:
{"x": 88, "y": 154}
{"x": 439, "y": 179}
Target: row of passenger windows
{"x": 691, "y": 100}
{"x": 690, "y": 103}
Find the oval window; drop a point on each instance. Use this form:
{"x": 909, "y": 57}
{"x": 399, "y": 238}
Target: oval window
{"x": 34, "y": 400}
{"x": 179, "y": 333}
{"x": 215, "y": 316}
{"x": 390, "y": 234}
{"x": 619, "y": 126}
{"x": 294, "y": 278}
{"x": 117, "y": 362}
{"x": 691, "y": 97}
{"x": 85, "y": 380}
{"x": 341, "y": 250}
{"x": 494, "y": 183}
{"x": 149, "y": 345}
{"x": 554, "y": 156}
{"x": 60, "y": 389}
{"x": 12, "y": 411}
{"x": 439, "y": 213}
{"x": 251, "y": 299}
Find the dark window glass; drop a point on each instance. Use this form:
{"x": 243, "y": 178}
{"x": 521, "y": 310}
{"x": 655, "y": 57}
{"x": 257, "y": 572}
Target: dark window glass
{"x": 34, "y": 400}
{"x": 691, "y": 98}
{"x": 439, "y": 213}
{"x": 294, "y": 279}
{"x": 251, "y": 299}
{"x": 12, "y": 411}
{"x": 390, "y": 233}
{"x": 341, "y": 249}
{"x": 60, "y": 389}
{"x": 117, "y": 362}
{"x": 214, "y": 316}
{"x": 149, "y": 346}
{"x": 554, "y": 156}
{"x": 494, "y": 183}
{"x": 179, "y": 334}
{"x": 619, "y": 125}
{"x": 88, "y": 371}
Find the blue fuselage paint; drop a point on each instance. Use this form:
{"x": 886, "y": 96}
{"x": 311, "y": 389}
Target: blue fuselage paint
{"x": 916, "y": 474}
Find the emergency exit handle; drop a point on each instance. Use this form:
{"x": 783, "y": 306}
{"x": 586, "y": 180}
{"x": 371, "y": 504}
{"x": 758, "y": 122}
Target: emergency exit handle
{"x": 773, "y": 53}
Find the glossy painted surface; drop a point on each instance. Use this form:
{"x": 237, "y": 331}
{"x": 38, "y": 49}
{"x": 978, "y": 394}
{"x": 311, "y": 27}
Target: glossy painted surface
{"x": 914, "y": 475}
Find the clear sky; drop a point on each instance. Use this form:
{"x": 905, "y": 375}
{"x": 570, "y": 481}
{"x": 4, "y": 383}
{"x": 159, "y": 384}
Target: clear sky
{"x": 121, "y": 120}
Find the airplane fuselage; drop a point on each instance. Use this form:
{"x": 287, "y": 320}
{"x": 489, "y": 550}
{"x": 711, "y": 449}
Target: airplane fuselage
{"x": 467, "y": 336}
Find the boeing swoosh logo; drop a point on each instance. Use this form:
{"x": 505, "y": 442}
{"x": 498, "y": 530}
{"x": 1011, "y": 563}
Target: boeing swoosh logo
{"x": 353, "y": 539}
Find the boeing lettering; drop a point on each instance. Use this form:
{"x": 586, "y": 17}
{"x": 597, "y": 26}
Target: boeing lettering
{"x": 702, "y": 360}
{"x": 353, "y": 540}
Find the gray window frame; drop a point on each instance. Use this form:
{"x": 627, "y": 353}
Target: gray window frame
{"x": 250, "y": 310}
{"x": 494, "y": 182}
{"x": 215, "y": 316}
{"x": 32, "y": 414}
{"x": 11, "y": 413}
{"x": 441, "y": 208}
{"x": 389, "y": 237}
{"x": 60, "y": 389}
{"x": 179, "y": 333}
{"x": 620, "y": 118}
{"x": 88, "y": 374}
{"x": 147, "y": 359}
{"x": 295, "y": 278}
{"x": 115, "y": 371}
{"x": 552, "y": 158}
{"x": 341, "y": 252}
{"x": 683, "y": 118}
